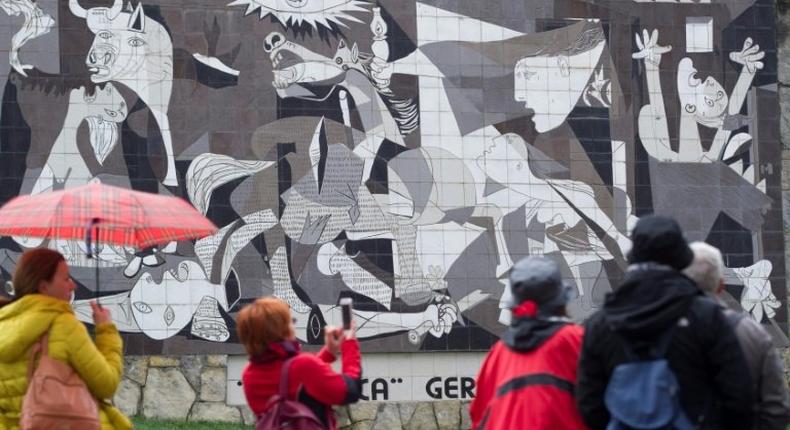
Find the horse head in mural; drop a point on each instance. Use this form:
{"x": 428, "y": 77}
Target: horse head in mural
{"x": 294, "y": 64}
{"x": 361, "y": 73}
{"x": 136, "y": 50}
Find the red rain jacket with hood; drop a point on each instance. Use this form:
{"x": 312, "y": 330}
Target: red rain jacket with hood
{"x": 527, "y": 379}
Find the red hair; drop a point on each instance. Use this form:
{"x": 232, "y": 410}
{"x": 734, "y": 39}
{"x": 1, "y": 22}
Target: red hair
{"x": 265, "y": 321}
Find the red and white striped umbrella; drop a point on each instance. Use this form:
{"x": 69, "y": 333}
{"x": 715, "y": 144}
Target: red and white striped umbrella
{"x": 121, "y": 216}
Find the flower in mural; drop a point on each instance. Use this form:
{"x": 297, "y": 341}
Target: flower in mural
{"x": 435, "y": 277}
{"x": 757, "y": 297}
{"x": 312, "y": 12}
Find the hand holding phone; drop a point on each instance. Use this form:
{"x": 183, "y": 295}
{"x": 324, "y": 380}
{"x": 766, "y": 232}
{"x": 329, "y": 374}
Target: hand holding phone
{"x": 333, "y": 337}
{"x": 346, "y": 305}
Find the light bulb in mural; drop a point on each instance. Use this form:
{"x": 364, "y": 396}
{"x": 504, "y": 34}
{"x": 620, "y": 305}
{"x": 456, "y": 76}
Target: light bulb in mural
{"x": 312, "y": 12}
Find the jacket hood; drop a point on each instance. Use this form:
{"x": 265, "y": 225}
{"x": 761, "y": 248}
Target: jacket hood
{"x": 649, "y": 301}
{"x": 24, "y": 321}
{"x": 526, "y": 334}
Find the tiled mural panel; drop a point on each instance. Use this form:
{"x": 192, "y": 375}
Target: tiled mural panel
{"x": 403, "y": 153}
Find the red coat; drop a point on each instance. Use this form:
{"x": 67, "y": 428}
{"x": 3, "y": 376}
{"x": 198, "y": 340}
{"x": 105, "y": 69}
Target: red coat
{"x": 530, "y": 390}
{"x": 320, "y": 385}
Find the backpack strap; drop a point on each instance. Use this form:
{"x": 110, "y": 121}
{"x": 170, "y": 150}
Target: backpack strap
{"x": 545, "y": 379}
{"x": 284, "y": 378}
{"x": 39, "y": 349}
{"x": 523, "y": 381}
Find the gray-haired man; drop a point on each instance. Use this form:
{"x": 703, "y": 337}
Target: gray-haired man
{"x": 773, "y": 403}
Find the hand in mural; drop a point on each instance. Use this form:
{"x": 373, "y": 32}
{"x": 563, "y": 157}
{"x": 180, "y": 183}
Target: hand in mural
{"x": 312, "y": 230}
{"x": 380, "y": 72}
{"x": 440, "y": 318}
{"x": 649, "y": 49}
{"x": 599, "y": 89}
{"x": 757, "y": 298}
{"x": 749, "y": 56}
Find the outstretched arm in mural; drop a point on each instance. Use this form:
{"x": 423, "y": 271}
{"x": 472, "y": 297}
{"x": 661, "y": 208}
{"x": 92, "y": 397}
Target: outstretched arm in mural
{"x": 653, "y": 128}
{"x": 437, "y": 319}
{"x": 750, "y": 58}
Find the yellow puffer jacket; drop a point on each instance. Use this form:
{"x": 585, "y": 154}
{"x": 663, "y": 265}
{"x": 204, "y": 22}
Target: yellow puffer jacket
{"x": 100, "y": 365}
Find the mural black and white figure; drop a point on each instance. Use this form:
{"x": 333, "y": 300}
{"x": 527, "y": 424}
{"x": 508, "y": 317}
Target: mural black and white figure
{"x": 703, "y": 102}
{"x": 402, "y": 153}
{"x": 135, "y": 50}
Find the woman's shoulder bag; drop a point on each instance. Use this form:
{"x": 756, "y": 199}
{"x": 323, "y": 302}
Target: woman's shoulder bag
{"x": 57, "y": 398}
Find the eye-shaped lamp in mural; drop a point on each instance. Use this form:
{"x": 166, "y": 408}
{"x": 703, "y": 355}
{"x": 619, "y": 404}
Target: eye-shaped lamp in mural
{"x": 311, "y": 12}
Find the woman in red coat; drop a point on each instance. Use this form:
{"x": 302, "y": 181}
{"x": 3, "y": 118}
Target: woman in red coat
{"x": 528, "y": 379}
{"x": 267, "y": 332}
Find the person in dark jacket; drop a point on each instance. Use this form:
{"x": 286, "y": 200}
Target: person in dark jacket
{"x": 527, "y": 379}
{"x": 266, "y": 330}
{"x": 704, "y": 353}
{"x": 765, "y": 365}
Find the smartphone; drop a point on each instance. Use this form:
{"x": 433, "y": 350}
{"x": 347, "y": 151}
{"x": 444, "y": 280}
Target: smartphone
{"x": 346, "y": 304}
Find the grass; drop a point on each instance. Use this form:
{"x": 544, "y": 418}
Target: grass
{"x": 149, "y": 424}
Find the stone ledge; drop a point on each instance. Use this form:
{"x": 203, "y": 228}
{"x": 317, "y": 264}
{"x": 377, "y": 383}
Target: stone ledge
{"x": 163, "y": 361}
{"x": 193, "y": 388}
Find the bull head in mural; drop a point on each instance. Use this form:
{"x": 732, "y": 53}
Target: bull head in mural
{"x": 119, "y": 49}
{"x": 137, "y": 51}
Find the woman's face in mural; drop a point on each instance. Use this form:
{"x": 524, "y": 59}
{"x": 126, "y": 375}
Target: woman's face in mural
{"x": 551, "y": 85}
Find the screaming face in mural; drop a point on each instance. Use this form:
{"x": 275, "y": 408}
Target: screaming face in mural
{"x": 137, "y": 51}
{"x": 551, "y": 83}
{"x": 704, "y": 102}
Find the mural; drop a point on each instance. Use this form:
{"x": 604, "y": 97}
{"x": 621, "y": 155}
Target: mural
{"x": 402, "y": 153}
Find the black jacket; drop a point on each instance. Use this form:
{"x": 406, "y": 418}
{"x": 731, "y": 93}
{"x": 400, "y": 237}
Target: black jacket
{"x": 704, "y": 352}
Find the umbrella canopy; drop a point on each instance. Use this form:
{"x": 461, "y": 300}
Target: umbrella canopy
{"x": 121, "y": 216}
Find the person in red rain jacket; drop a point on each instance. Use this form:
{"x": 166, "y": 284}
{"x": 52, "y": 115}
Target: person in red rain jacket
{"x": 528, "y": 378}
{"x": 266, "y": 329}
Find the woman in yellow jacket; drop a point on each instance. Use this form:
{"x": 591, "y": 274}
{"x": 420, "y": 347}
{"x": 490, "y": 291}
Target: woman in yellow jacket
{"x": 42, "y": 292}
